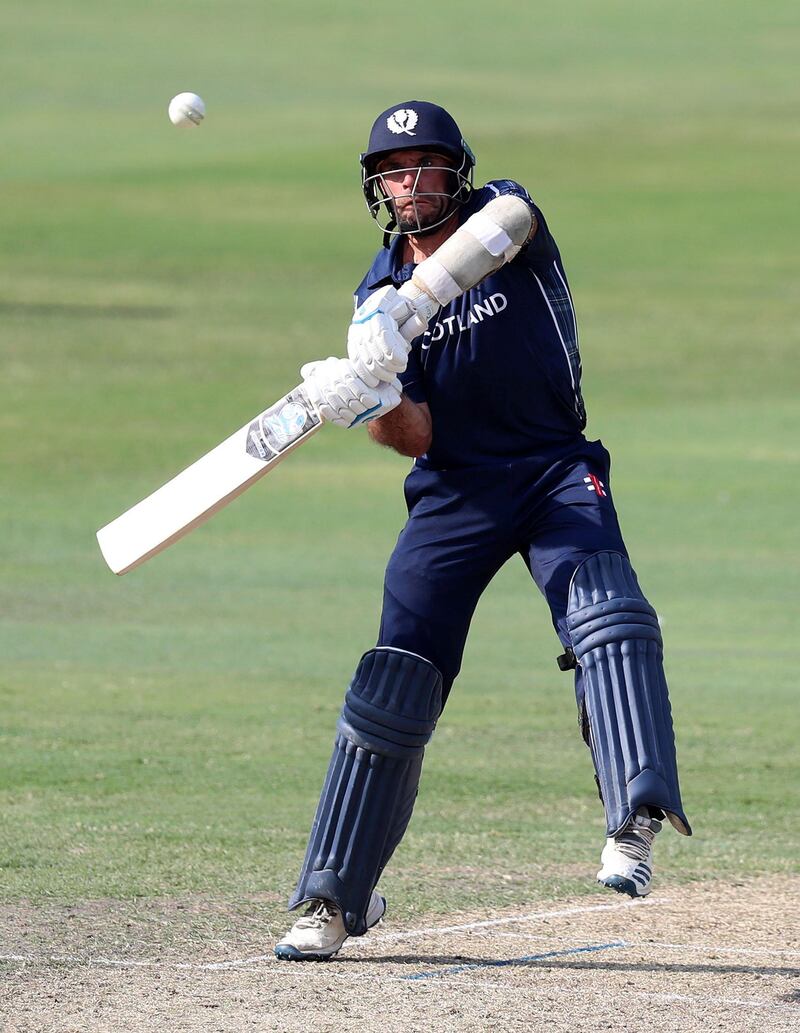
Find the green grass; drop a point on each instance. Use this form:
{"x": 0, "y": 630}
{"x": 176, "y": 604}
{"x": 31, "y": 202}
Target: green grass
{"x": 167, "y": 733}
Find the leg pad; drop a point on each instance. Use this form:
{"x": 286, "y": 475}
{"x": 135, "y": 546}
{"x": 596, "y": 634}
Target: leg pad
{"x": 617, "y": 642}
{"x": 389, "y": 714}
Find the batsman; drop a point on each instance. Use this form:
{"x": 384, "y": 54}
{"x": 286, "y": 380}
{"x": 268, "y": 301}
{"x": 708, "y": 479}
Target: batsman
{"x": 463, "y": 354}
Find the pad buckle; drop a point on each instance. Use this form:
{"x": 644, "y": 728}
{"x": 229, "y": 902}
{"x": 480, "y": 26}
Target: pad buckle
{"x": 567, "y": 661}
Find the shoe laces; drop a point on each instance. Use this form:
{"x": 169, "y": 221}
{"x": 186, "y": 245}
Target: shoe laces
{"x": 637, "y": 839}
{"x": 318, "y": 915}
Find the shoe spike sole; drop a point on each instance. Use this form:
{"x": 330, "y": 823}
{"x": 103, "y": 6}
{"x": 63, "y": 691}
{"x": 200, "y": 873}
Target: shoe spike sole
{"x": 621, "y": 885}
{"x": 285, "y": 952}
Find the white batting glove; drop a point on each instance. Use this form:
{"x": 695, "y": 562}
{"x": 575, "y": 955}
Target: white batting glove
{"x": 340, "y": 396}
{"x": 380, "y": 335}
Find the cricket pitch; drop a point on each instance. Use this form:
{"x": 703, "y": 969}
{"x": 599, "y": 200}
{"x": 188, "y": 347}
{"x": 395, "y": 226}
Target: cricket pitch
{"x": 688, "y": 958}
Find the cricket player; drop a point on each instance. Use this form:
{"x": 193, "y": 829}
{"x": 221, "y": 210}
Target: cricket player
{"x": 463, "y": 353}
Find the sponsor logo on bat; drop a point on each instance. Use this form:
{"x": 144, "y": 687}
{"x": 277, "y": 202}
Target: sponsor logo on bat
{"x": 277, "y": 428}
{"x": 287, "y": 423}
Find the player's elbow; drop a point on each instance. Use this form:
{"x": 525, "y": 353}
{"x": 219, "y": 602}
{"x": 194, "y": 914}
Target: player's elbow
{"x": 414, "y": 447}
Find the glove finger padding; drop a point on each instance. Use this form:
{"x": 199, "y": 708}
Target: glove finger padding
{"x": 321, "y": 379}
{"x": 376, "y": 347}
{"x": 309, "y": 368}
{"x": 340, "y": 396}
{"x": 389, "y": 396}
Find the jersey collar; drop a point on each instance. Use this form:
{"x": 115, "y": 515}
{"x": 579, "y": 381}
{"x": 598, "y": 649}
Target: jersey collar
{"x": 387, "y": 267}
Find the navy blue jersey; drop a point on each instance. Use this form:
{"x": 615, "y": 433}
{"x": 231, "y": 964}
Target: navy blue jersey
{"x": 499, "y": 366}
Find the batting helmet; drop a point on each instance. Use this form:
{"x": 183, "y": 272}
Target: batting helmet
{"x": 422, "y": 126}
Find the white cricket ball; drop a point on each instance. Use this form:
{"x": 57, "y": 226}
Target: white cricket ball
{"x": 187, "y": 109}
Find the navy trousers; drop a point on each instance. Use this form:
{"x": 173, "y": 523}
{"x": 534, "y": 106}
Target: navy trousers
{"x": 463, "y": 525}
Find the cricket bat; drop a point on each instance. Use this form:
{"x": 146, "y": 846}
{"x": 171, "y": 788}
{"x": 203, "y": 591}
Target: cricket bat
{"x": 208, "y": 485}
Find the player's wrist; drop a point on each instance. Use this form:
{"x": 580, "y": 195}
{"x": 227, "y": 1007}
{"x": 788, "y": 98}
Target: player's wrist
{"x": 423, "y": 303}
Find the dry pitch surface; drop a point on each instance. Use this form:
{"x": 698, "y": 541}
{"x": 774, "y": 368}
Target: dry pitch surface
{"x": 702, "y": 957}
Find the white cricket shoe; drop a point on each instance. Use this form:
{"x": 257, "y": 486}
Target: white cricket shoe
{"x": 627, "y": 859}
{"x": 320, "y": 933}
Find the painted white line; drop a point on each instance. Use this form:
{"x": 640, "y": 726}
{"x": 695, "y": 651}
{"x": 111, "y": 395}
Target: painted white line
{"x": 712, "y": 949}
{"x": 215, "y": 966}
{"x": 211, "y": 966}
{"x": 492, "y": 923}
{"x": 196, "y": 966}
{"x": 534, "y": 937}
{"x": 577, "y": 996}
{"x": 706, "y": 948}
{"x": 526, "y": 959}
{"x": 115, "y": 963}
{"x": 374, "y": 939}
{"x": 738, "y": 1002}
{"x": 74, "y": 959}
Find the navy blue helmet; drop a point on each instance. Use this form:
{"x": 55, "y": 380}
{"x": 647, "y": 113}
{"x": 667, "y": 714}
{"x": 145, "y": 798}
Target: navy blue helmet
{"x": 420, "y": 126}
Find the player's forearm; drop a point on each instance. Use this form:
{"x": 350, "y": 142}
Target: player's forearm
{"x": 407, "y": 429}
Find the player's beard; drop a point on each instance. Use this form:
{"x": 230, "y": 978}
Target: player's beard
{"x": 419, "y": 219}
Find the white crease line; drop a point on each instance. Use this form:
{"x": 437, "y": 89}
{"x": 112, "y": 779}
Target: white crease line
{"x": 576, "y": 995}
{"x": 718, "y": 950}
{"x": 374, "y": 939}
{"x": 534, "y": 937}
{"x": 708, "y": 948}
{"x": 494, "y": 922}
{"x": 208, "y": 966}
{"x": 74, "y": 959}
{"x": 526, "y": 959}
{"x": 211, "y": 966}
{"x": 739, "y": 1002}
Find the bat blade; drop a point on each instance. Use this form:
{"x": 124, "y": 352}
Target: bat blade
{"x": 208, "y": 485}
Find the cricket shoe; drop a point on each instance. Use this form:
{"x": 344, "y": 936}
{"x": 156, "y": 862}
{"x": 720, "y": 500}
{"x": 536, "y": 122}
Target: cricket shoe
{"x": 320, "y": 933}
{"x": 627, "y": 859}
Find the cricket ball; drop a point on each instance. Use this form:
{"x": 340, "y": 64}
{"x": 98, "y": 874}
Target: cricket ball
{"x": 187, "y": 109}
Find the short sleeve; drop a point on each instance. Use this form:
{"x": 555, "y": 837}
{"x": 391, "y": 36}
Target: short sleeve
{"x": 360, "y": 294}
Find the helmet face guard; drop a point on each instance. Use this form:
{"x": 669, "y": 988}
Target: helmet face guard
{"x": 420, "y": 126}
{"x": 382, "y": 203}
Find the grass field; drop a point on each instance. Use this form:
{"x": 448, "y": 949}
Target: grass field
{"x": 164, "y": 735}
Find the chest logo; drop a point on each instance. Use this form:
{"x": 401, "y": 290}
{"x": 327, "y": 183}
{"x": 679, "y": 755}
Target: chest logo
{"x": 402, "y": 121}
{"x": 486, "y": 309}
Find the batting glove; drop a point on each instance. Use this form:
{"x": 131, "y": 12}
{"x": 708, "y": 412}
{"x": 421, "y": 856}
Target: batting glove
{"x": 340, "y": 396}
{"x": 380, "y": 335}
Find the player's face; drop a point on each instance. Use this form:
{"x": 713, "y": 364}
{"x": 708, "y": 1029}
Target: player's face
{"x": 419, "y": 185}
